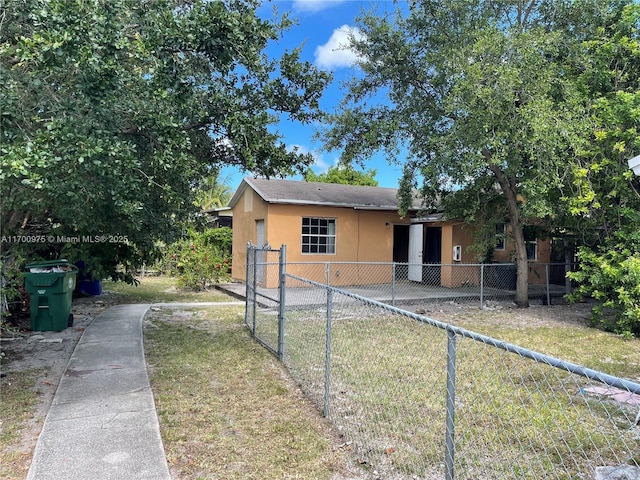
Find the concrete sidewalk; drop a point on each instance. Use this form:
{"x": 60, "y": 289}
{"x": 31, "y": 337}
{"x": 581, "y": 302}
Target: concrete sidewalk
{"x": 102, "y": 423}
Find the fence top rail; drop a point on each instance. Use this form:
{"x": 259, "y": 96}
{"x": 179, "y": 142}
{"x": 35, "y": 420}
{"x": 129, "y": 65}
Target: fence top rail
{"x": 589, "y": 373}
{"x": 264, "y": 248}
{"x": 456, "y": 264}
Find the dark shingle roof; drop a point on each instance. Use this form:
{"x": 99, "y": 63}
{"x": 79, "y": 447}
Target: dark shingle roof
{"x": 326, "y": 194}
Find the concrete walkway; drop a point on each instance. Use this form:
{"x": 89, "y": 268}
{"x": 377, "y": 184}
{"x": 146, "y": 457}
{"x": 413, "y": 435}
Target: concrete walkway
{"x": 102, "y": 423}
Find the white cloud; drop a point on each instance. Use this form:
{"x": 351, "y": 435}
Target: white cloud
{"x": 336, "y": 52}
{"x": 314, "y": 5}
{"x": 320, "y": 165}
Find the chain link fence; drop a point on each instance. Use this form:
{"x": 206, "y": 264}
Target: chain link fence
{"x": 419, "y": 399}
{"x": 404, "y": 284}
{"x": 263, "y": 314}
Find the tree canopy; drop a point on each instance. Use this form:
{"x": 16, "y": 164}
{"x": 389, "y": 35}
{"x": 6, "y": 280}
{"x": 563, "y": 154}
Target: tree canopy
{"x": 603, "y": 204}
{"x": 113, "y": 110}
{"x": 487, "y": 98}
{"x": 343, "y": 174}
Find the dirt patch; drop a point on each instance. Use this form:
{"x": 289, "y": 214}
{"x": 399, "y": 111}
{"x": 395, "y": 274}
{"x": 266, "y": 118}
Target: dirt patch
{"x": 44, "y": 355}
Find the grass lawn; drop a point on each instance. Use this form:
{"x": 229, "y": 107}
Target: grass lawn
{"x": 228, "y": 409}
{"x": 20, "y": 391}
{"x": 226, "y": 406}
{"x": 159, "y": 289}
{"x": 515, "y": 418}
{"x": 18, "y": 402}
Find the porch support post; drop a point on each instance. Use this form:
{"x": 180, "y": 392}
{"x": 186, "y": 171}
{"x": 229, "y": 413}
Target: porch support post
{"x": 546, "y": 267}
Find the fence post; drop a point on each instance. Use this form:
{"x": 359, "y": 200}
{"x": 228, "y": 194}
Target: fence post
{"x": 546, "y": 267}
{"x": 451, "y": 405}
{"x": 481, "y": 286}
{"x": 393, "y": 284}
{"x": 247, "y": 280}
{"x": 327, "y": 355}
{"x": 281, "y": 306}
{"x": 255, "y": 286}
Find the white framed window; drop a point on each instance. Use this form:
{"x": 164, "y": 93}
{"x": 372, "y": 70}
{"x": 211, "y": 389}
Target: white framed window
{"x": 318, "y": 235}
{"x": 501, "y": 236}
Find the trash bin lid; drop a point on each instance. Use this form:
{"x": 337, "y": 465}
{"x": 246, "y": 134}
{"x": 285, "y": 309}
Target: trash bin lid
{"x": 51, "y": 263}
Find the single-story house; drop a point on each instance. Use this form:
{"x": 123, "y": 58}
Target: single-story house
{"x": 323, "y": 222}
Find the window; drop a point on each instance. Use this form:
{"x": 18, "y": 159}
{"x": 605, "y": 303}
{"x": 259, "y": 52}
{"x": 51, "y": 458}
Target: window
{"x": 318, "y": 235}
{"x": 531, "y": 243}
{"x": 501, "y": 235}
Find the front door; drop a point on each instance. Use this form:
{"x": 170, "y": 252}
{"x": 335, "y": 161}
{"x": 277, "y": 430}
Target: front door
{"x": 415, "y": 252}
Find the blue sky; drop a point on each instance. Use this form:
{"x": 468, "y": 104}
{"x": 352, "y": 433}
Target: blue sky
{"x": 322, "y": 29}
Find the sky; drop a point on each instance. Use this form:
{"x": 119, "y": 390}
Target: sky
{"x": 322, "y": 29}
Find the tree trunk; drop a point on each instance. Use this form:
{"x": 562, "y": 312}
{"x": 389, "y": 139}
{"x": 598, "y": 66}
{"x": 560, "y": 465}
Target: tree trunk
{"x": 522, "y": 265}
{"x": 509, "y": 188}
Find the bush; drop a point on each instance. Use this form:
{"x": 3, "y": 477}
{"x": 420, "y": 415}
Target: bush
{"x": 611, "y": 276}
{"x": 201, "y": 260}
{"x": 13, "y": 297}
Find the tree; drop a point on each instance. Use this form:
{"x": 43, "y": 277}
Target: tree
{"x": 213, "y": 192}
{"x": 481, "y": 95}
{"x": 112, "y": 111}
{"x": 345, "y": 175}
{"x": 604, "y": 203}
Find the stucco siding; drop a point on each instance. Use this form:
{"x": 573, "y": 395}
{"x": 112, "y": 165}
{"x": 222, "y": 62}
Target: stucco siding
{"x": 363, "y": 236}
{"x": 245, "y": 214}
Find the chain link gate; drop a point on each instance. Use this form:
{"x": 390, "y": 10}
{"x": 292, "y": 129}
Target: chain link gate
{"x": 264, "y": 312}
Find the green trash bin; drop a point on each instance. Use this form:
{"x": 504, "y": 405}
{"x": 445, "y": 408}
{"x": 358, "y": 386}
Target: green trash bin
{"x": 50, "y": 287}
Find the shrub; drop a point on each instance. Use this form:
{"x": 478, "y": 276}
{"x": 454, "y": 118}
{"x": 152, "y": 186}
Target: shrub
{"x": 201, "y": 260}
{"x": 611, "y": 276}
{"x": 13, "y": 296}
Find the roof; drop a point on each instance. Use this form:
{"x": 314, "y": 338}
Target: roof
{"x": 293, "y": 192}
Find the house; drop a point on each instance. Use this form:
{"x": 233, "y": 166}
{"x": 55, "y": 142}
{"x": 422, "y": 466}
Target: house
{"x": 323, "y": 222}
{"x": 219, "y": 217}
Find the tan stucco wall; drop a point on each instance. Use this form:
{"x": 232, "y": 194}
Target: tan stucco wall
{"x": 537, "y": 272}
{"x": 361, "y": 236}
{"x": 455, "y": 274}
{"x": 246, "y": 212}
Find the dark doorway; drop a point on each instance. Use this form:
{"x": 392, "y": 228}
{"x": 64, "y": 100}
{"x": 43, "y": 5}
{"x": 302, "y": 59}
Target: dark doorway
{"x": 433, "y": 255}
{"x": 401, "y": 249}
{"x": 563, "y": 260}
{"x": 401, "y": 243}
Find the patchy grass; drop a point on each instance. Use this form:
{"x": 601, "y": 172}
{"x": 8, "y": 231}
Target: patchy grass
{"x": 226, "y": 406}
{"x": 160, "y": 290}
{"x": 19, "y": 404}
{"x": 514, "y": 417}
{"x": 562, "y": 332}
